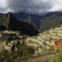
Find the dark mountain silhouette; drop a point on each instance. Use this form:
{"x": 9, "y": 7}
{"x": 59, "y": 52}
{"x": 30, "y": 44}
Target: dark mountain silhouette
{"x": 41, "y": 21}
{"x": 25, "y": 16}
{"x": 9, "y": 22}
{"x": 1, "y": 14}
{"x": 34, "y": 17}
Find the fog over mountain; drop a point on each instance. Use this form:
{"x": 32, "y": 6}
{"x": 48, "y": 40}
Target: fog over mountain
{"x": 30, "y": 6}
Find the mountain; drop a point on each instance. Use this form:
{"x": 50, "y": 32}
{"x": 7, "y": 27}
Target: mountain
{"x": 41, "y": 22}
{"x": 35, "y": 18}
{"x": 50, "y": 21}
{"x": 24, "y": 16}
{"x": 9, "y": 22}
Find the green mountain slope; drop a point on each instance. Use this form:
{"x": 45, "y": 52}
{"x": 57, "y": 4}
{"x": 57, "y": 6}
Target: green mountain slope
{"x": 50, "y": 22}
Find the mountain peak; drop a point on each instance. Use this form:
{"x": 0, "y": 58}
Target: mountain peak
{"x": 11, "y": 23}
{"x": 9, "y": 14}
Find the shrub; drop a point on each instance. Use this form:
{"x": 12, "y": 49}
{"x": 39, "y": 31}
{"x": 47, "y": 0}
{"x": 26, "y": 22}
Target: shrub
{"x": 23, "y": 52}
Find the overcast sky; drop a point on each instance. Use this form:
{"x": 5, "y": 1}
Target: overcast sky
{"x": 31, "y": 6}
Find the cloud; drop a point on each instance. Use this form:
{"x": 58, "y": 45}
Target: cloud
{"x": 56, "y": 5}
{"x": 30, "y": 6}
{"x": 3, "y": 4}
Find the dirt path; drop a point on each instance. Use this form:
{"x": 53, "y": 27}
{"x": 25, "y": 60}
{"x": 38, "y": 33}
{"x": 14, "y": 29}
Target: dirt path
{"x": 40, "y": 59}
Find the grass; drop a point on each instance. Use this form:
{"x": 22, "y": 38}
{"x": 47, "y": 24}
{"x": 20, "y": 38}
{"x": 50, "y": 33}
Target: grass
{"x": 1, "y": 46}
{"x": 58, "y": 58}
{"x": 23, "y": 52}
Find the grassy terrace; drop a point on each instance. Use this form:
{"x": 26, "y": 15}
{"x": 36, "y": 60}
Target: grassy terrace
{"x": 27, "y": 53}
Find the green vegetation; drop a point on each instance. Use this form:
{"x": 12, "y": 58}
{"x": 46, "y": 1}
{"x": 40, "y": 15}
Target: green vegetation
{"x": 50, "y": 22}
{"x": 58, "y": 58}
{"x": 23, "y": 52}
